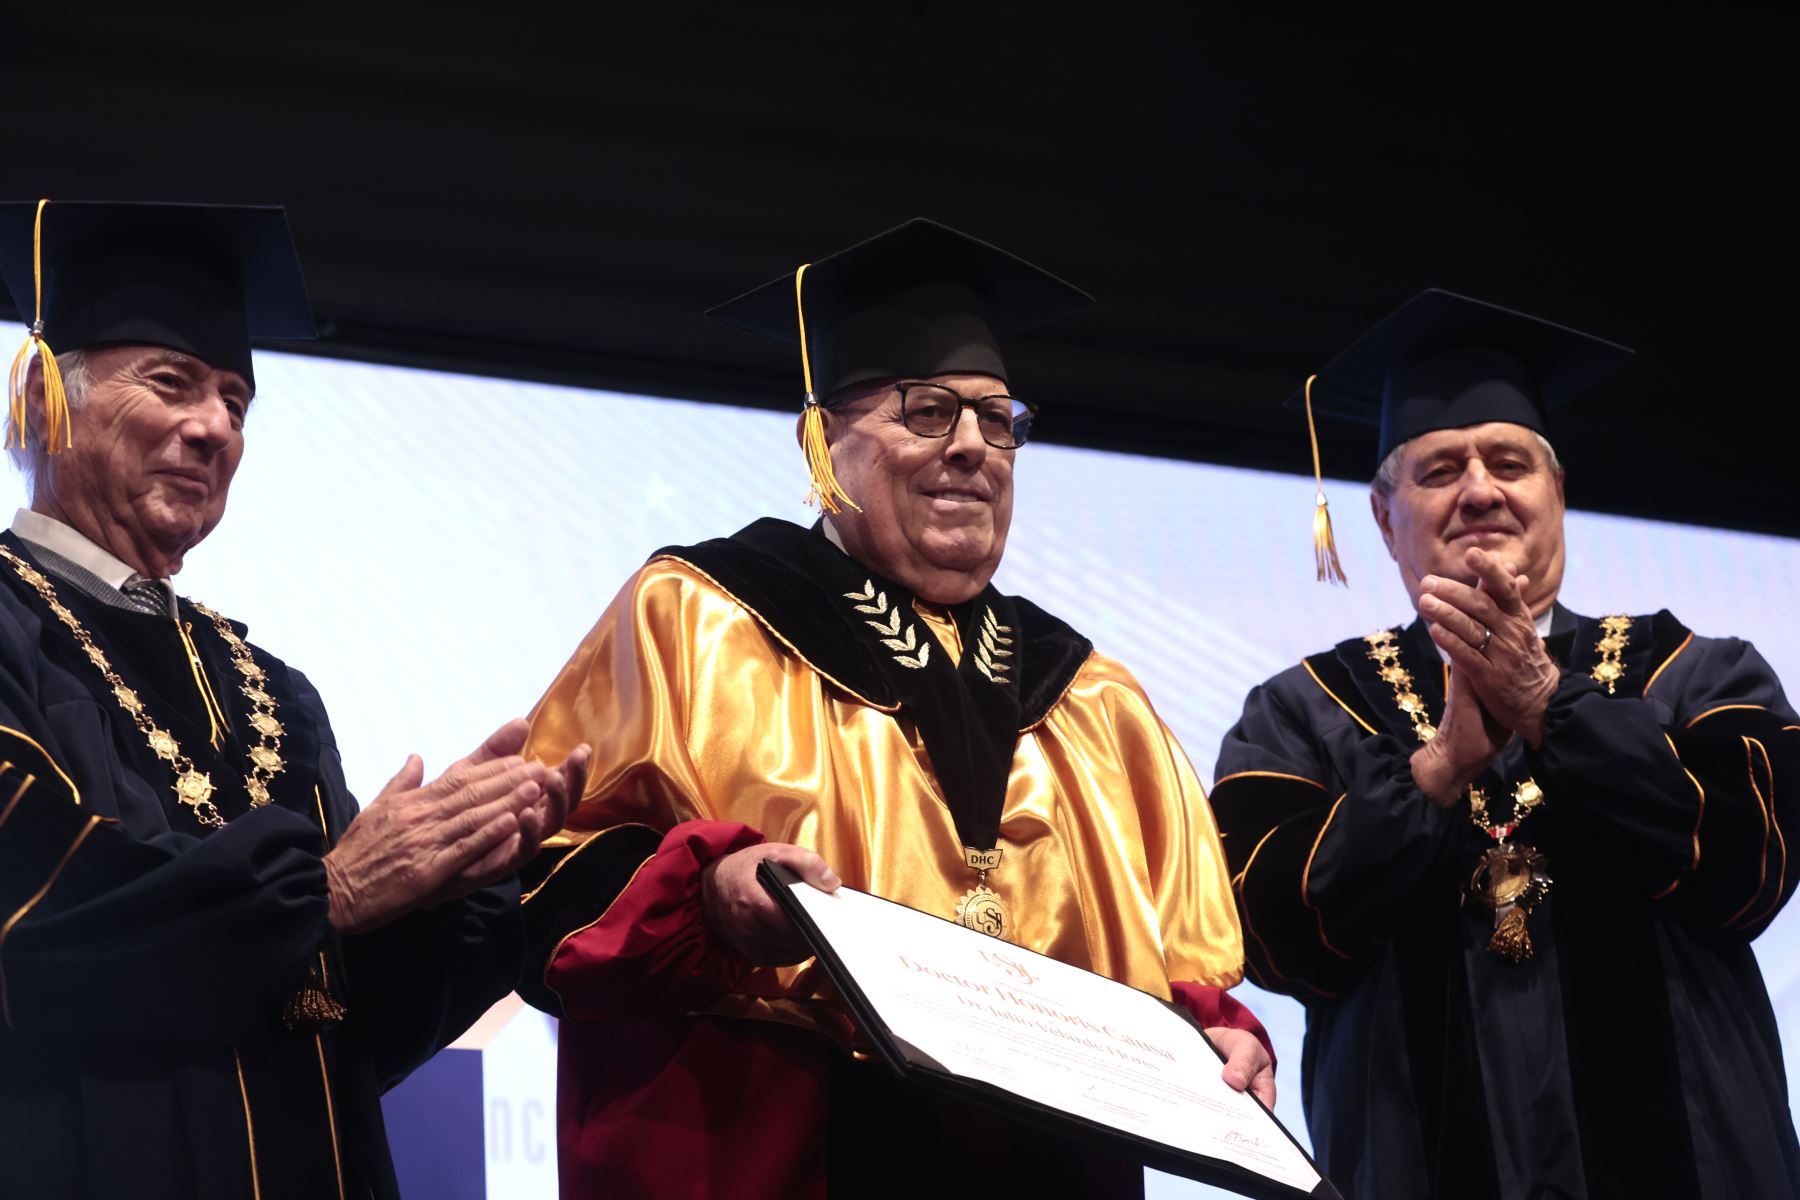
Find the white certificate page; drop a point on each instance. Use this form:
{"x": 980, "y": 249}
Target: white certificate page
{"x": 1051, "y": 1033}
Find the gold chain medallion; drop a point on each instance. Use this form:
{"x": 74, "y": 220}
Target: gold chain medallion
{"x": 1510, "y": 881}
{"x": 193, "y": 787}
{"x": 1384, "y": 650}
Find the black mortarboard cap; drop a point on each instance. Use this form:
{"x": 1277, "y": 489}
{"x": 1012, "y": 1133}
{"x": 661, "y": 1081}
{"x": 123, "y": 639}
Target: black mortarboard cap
{"x": 921, "y": 299}
{"x": 1443, "y": 361}
{"x": 200, "y": 278}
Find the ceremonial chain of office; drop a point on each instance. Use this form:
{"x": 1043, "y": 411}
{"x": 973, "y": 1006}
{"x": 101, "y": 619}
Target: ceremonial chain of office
{"x": 193, "y": 787}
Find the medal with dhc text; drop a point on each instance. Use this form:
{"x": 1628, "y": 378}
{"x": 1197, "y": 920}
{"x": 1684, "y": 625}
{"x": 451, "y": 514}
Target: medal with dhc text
{"x": 981, "y": 908}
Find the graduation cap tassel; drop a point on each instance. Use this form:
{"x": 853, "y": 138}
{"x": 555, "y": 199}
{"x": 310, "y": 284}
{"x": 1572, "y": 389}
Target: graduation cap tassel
{"x": 1325, "y": 551}
{"x": 58, "y": 433}
{"x": 827, "y": 494}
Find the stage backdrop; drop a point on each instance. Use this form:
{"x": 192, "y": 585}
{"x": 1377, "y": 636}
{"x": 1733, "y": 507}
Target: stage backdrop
{"x": 429, "y": 548}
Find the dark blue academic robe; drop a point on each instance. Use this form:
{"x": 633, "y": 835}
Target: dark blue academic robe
{"x": 1635, "y": 1053}
{"x": 146, "y": 961}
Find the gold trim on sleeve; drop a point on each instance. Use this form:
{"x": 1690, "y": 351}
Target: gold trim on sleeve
{"x": 1780, "y": 838}
{"x": 74, "y": 791}
{"x": 584, "y": 844}
{"x": 1306, "y": 876}
{"x": 550, "y": 959}
{"x": 1698, "y": 817}
{"x": 1675, "y": 654}
{"x": 1722, "y": 708}
{"x": 1265, "y": 775}
{"x": 5, "y": 1000}
{"x": 1762, "y": 855}
{"x": 24, "y": 786}
{"x": 1251, "y": 926}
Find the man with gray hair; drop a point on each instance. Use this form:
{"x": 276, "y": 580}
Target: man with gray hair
{"x": 1511, "y": 858}
{"x": 211, "y": 963}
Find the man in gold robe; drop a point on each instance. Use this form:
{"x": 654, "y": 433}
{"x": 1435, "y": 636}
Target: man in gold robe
{"x": 858, "y": 702}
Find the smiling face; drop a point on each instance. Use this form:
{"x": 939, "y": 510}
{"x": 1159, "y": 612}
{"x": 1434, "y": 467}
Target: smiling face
{"x": 1491, "y": 486}
{"x": 156, "y": 442}
{"x": 935, "y": 511}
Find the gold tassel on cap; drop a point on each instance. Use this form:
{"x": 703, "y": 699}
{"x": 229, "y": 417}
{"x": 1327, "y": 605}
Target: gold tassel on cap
{"x": 57, "y": 432}
{"x": 827, "y": 494}
{"x": 1325, "y": 550}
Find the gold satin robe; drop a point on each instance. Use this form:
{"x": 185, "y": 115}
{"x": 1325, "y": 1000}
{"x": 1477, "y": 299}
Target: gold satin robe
{"x": 697, "y": 710}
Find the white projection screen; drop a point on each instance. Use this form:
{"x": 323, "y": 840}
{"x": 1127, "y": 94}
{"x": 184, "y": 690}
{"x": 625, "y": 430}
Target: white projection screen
{"x": 429, "y": 548}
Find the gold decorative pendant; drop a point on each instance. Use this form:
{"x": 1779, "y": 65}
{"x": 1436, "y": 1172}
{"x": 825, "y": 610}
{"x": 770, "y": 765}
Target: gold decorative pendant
{"x": 1510, "y": 881}
{"x": 982, "y": 910}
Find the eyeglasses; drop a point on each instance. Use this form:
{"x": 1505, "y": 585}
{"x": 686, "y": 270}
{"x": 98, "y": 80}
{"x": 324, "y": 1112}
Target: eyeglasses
{"x": 930, "y": 410}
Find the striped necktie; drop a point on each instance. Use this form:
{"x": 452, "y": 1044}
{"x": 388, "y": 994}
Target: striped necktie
{"x": 147, "y": 596}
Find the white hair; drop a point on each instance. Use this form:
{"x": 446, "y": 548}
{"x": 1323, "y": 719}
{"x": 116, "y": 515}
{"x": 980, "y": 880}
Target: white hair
{"x": 1388, "y": 474}
{"x": 76, "y": 378}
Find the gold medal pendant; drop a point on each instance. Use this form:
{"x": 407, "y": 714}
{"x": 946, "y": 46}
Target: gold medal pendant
{"x": 982, "y": 910}
{"x": 1510, "y": 881}
{"x": 195, "y": 789}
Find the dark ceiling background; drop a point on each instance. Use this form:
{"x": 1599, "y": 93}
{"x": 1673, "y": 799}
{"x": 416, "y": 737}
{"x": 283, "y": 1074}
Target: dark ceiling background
{"x": 554, "y": 192}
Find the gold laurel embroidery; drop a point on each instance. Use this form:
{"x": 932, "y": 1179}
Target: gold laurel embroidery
{"x": 1611, "y": 667}
{"x": 990, "y": 648}
{"x": 874, "y": 604}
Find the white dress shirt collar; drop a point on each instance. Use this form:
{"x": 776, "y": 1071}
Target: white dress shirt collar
{"x": 64, "y": 540}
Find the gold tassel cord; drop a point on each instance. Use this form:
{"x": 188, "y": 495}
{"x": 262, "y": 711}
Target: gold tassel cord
{"x": 58, "y": 433}
{"x": 1325, "y": 551}
{"x": 827, "y": 494}
{"x": 1511, "y": 940}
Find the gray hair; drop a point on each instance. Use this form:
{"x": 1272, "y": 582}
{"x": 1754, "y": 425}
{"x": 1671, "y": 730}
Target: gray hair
{"x": 1388, "y": 473}
{"x": 77, "y": 378}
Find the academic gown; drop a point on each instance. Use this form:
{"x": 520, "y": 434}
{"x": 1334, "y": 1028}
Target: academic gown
{"x": 1635, "y": 1052}
{"x": 146, "y": 961}
{"x": 752, "y": 688}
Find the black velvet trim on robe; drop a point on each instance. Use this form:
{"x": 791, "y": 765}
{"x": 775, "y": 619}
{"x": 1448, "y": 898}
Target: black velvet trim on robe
{"x": 807, "y": 590}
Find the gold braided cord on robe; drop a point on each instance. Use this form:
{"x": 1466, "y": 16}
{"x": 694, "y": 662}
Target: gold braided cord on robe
{"x": 697, "y": 710}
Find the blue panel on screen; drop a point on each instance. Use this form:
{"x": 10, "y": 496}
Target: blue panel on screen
{"x": 435, "y": 1129}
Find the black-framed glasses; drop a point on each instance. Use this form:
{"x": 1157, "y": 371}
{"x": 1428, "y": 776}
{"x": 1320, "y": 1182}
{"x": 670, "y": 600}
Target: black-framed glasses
{"x": 932, "y": 410}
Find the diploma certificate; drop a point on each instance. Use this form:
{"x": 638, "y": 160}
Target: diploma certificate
{"x": 1007, "y": 1025}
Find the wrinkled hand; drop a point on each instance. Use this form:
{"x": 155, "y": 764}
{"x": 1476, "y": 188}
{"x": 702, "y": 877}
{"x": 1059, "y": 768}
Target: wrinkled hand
{"x": 563, "y": 787}
{"x": 740, "y": 910}
{"x": 1467, "y": 740}
{"x": 1510, "y": 671}
{"x": 416, "y": 844}
{"x": 1247, "y": 1064}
